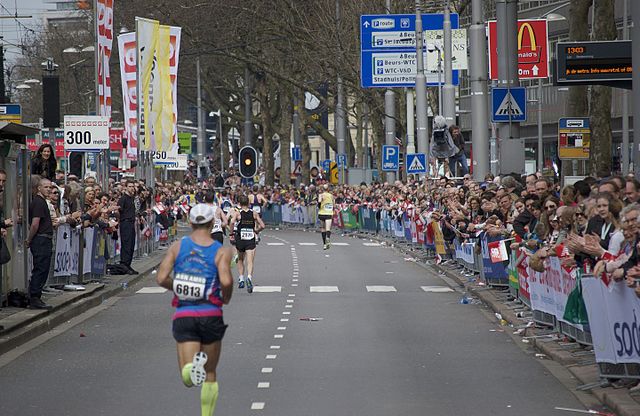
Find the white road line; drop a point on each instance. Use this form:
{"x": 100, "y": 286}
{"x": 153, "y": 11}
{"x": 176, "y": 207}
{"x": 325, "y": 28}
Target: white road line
{"x": 284, "y": 320}
{"x": 267, "y": 370}
{"x": 275, "y": 244}
{"x": 289, "y": 300}
{"x": 339, "y": 244}
{"x": 286, "y": 313}
{"x": 152, "y": 290}
{"x": 437, "y": 289}
{"x": 294, "y": 284}
{"x": 371, "y": 244}
{"x": 292, "y": 295}
{"x": 308, "y": 244}
{"x": 389, "y": 272}
{"x": 264, "y": 385}
{"x": 288, "y": 306}
{"x": 267, "y": 289}
{"x": 275, "y": 347}
{"x": 381, "y": 289}
{"x": 278, "y": 336}
{"x": 271, "y": 357}
{"x": 323, "y": 289}
{"x": 257, "y": 406}
{"x": 294, "y": 280}
{"x": 282, "y": 328}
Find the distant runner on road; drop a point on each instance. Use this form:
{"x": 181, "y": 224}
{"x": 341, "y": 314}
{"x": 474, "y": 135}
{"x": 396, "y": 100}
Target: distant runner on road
{"x": 202, "y": 283}
{"x": 325, "y": 215}
{"x": 248, "y": 224}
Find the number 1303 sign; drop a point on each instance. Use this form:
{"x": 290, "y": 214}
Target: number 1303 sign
{"x": 86, "y": 133}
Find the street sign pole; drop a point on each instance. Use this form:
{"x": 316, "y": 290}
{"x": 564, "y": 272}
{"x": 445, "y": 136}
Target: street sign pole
{"x": 340, "y": 111}
{"x": 448, "y": 91}
{"x": 390, "y": 114}
{"x": 507, "y": 17}
{"x": 421, "y": 88}
{"x": 479, "y": 96}
{"x": 635, "y": 37}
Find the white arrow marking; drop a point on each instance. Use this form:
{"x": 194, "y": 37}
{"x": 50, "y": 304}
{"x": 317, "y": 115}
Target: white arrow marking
{"x": 365, "y": 24}
{"x": 535, "y": 70}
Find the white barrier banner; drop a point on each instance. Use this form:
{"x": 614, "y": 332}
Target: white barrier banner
{"x": 613, "y": 318}
{"x": 549, "y": 290}
{"x": 63, "y": 259}
{"x": 467, "y": 252}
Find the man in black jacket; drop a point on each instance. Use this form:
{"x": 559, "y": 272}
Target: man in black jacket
{"x": 127, "y": 209}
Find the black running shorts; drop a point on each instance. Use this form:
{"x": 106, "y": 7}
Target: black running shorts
{"x": 244, "y": 245}
{"x": 217, "y": 236}
{"x": 205, "y": 330}
{"x": 323, "y": 217}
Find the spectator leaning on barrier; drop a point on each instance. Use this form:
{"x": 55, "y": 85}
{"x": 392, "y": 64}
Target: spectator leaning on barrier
{"x": 127, "y": 211}
{"x": 39, "y": 240}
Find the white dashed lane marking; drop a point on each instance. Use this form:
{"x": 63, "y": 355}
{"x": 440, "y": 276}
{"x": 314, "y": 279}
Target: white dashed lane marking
{"x": 437, "y": 289}
{"x": 371, "y": 244}
{"x": 339, "y": 244}
{"x": 275, "y": 244}
{"x": 264, "y": 385}
{"x": 267, "y": 289}
{"x": 323, "y": 289}
{"x": 381, "y": 289}
{"x": 308, "y": 244}
{"x": 267, "y": 370}
{"x": 257, "y": 406}
{"x": 152, "y": 290}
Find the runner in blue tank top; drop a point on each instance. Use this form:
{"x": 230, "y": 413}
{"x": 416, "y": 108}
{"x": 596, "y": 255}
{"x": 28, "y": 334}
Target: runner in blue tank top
{"x": 201, "y": 284}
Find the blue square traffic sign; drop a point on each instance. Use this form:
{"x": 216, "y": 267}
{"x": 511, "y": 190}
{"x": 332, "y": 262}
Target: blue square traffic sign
{"x": 296, "y": 154}
{"x": 341, "y": 160}
{"x": 509, "y": 104}
{"x": 390, "y": 158}
{"x": 416, "y": 163}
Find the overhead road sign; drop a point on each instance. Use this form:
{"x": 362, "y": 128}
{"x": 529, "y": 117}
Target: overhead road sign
{"x": 416, "y": 163}
{"x": 533, "y": 49}
{"x": 605, "y": 62}
{"x": 574, "y": 138}
{"x": 388, "y": 49}
{"x": 390, "y": 158}
{"x": 509, "y": 104}
{"x": 11, "y": 113}
{"x": 86, "y": 133}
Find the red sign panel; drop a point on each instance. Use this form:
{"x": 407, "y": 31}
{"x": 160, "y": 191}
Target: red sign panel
{"x": 533, "y": 49}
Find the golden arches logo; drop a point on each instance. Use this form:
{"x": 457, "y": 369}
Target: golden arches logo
{"x": 532, "y": 36}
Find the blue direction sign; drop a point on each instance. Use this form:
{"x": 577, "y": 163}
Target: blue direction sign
{"x": 296, "y": 154}
{"x": 509, "y": 104}
{"x": 11, "y": 113}
{"x": 416, "y": 163}
{"x": 326, "y": 165}
{"x": 390, "y": 158}
{"x": 341, "y": 160}
{"x": 388, "y": 49}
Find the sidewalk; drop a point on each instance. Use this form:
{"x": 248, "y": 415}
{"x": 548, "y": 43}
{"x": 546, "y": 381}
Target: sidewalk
{"x": 21, "y": 325}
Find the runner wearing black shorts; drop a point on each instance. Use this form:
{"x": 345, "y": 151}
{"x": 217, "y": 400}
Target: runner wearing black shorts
{"x": 248, "y": 224}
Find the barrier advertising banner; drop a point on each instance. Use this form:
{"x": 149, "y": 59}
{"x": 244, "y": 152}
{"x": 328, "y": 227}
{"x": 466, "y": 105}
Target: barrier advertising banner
{"x": 549, "y": 290}
{"x": 104, "y": 35}
{"x": 613, "y": 318}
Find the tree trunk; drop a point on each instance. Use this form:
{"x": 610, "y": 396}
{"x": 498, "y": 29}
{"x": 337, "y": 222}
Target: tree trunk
{"x": 359, "y": 129}
{"x": 577, "y": 104}
{"x": 600, "y": 158}
{"x": 378, "y": 133}
{"x": 305, "y": 149}
{"x": 267, "y": 130}
{"x": 284, "y": 130}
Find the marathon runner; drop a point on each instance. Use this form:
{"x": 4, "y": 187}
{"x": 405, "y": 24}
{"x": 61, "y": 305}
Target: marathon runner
{"x": 257, "y": 201}
{"x": 248, "y": 224}
{"x": 220, "y": 220}
{"x": 202, "y": 283}
{"x": 325, "y": 215}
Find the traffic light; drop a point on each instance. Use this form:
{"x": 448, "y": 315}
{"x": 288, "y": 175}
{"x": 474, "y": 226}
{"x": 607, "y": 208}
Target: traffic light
{"x": 248, "y": 162}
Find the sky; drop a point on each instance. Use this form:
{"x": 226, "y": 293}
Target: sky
{"x": 11, "y": 30}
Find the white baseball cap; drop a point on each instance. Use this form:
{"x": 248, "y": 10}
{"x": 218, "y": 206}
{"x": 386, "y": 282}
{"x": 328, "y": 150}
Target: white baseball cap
{"x": 201, "y": 214}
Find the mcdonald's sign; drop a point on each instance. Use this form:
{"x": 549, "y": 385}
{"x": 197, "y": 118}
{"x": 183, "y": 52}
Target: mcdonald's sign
{"x": 533, "y": 49}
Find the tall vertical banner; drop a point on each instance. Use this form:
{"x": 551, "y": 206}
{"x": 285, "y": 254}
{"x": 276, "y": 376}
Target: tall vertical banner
{"x": 148, "y": 32}
{"x": 104, "y": 36}
{"x": 128, "y": 70}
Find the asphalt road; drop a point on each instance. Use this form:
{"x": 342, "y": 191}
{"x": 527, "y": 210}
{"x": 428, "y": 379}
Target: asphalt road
{"x": 390, "y": 341}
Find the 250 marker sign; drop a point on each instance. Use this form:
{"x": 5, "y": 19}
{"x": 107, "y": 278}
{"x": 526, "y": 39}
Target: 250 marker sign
{"x": 86, "y": 133}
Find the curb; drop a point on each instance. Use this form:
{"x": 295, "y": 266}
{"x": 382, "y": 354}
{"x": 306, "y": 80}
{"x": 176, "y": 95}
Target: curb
{"x": 39, "y": 322}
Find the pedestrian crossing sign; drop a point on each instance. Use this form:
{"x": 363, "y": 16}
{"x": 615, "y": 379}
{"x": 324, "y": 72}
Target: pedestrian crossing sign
{"x": 416, "y": 163}
{"x": 509, "y": 104}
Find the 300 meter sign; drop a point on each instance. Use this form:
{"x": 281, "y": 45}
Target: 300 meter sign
{"x": 86, "y": 133}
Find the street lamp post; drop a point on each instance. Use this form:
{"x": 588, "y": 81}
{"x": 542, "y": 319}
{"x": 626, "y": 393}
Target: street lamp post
{"x": 421, "y": 87}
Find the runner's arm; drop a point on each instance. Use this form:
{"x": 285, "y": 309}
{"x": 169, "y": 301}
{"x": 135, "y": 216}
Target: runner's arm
{"x": 163, "y": 277}
{"x": 259, "y": 221}
{"x": 223, "y": 262}
{"x": 223, "y": 218}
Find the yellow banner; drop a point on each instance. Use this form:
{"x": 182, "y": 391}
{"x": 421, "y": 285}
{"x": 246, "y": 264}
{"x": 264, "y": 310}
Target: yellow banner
{"x": 163, "y": 126}
{"x": 438, "y": 239}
